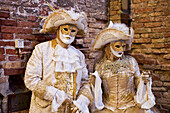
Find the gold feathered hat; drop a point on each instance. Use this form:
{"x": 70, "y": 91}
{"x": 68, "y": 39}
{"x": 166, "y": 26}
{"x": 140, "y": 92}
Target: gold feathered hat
{"x": 114, "y": 32}
{"x": 61, "y": 17}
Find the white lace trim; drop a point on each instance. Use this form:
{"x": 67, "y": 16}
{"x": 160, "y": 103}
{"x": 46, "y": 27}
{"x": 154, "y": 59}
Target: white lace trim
{"x": 82, "y": 104}
{"x": 67, "y": 60}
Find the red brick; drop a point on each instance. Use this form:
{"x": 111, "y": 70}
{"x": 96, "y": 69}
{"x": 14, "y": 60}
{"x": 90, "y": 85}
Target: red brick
{"x": 32, "y": 18}
{"x": 4, "y": 79}
{"x": 146, "y": 61}
{"x": 2, "y": 57}
{"x": 7, "y": 36}
{"x": 159, "y": 30}
{"x": 166, "y": 35}
{"x": 161, "y": 8}
{"x": 25, "y": 36}
{"x": 14, "y": 65}
{"x": 4, "y": 43}
{"x": 27, "y": 24}
{"x": 144, "y": 10}
{"x": 139, "y": 25}
{"x": 8, "y": 22}
{"x": 11, "y": 29}
{"x": 147, "y": 40}
{"x": 147, "y": 19}
{"x": 155, "y": 24}
{"x": 14, "y": 58}
{"x": 14, "y": 72}
{"x": 4, "y": 14}
{"x": 158, "y": 18}
{"x": 167, "y": 45}
{"x": 2, "y": 51}
{"x": 157, "y": 83}
{"x": 11, "y": 51}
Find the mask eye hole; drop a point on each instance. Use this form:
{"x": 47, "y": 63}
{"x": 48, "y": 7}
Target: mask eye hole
{"x": 123, "y": 45}
{"x": 65, "y": 29}
{"x": 73, "y": 30}
{"x": 117, "y": 46}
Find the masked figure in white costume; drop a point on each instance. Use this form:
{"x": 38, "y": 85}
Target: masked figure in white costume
{"x": 115, "y": 74}
{"x": 56, "y": 72}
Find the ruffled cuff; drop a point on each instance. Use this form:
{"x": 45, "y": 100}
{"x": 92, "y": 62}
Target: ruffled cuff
{"x": 50, "y": 93}
{"x": 59, "y": 98}
{"x": 144, "y": 95}
{"x": 98, "y": 91}
{"x": 82, "y": 104}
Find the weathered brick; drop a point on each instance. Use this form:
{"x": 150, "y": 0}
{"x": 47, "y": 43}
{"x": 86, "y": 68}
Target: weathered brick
{"x": 166, "y": 56}
{"x": 14, "y": 72}
{"x": 2, "y": 51}
{"x": 157, "y": 83}
{"x": 158, "y": 40}
{"x": 159, "y": 89}
{"x": 155, "y": 24}
{"x": 144, "y": 10}
{"x": 161, "y": 8}
{"x": 14, "y": 65}
{"x": 159, "y": 45}
{"x": 25, "y": 36}
{"x": 11, "y": 51}
{"x": 11, "y": 29}
{"x": 27, "y": 24}
{"x": 166, "y": 94}
{"x": 7, "y": 36}
{"x": 143, "y": 20}
{"x": 159, "y": 51}
{"x": 163, "y": 101}
{"x": 166, "y": 84}
{"x": 165, "y": 77}
{"x": 166, "y": 35}
{"x": 97, "y": 25}
{"x": 142, "y": 40}
{"x": 142, "y": 30}
{"x": 32, "y": 18}
{"x": 14, "y": 58}
{"x": 157, "y": 94}
{"x": 146, "y": 61}
{"x": 138, "y": 25}
{"x": 8, "y": 22}
{"x": 165, "y": 67}
{"x": 4, "y": 14}
{"x": 2, "y": 57}
{"x": 7, "y": 43}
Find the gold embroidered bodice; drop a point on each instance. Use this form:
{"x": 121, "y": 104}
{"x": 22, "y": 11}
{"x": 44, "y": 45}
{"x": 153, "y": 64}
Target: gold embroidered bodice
{"x": 117, "y": 82}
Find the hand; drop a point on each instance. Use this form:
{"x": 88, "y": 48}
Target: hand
{"x": 92, "y": 79}
{"x": 68, "y": 99}
{"x": 75, "y": 110}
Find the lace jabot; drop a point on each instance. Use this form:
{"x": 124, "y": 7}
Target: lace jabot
{"x": 66, "y": 60}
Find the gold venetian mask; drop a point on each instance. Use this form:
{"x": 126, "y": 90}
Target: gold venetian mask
{"x": 118, "y": 48}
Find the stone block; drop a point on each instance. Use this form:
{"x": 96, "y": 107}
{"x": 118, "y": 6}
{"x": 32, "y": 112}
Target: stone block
{"x": 14, "y": 65}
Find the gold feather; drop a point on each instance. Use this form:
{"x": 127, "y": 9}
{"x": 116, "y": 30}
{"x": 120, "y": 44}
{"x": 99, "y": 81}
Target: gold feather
{"x": 51, "y": 7}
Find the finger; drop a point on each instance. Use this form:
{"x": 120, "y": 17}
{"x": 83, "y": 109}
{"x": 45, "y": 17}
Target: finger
{"x": 75, "y": 109}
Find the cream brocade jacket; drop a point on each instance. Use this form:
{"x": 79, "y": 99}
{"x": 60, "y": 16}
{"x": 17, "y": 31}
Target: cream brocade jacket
{"x": 118, "y": 84}
{"x": 53, "y": 71}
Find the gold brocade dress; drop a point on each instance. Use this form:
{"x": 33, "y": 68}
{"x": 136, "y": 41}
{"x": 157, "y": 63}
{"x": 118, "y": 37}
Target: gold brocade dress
{"x": 118, "y": 84}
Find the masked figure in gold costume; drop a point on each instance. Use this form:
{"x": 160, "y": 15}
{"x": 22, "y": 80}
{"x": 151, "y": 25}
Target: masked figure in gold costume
{"x": 56, "y": 72}
{"x": 115, "y": 74}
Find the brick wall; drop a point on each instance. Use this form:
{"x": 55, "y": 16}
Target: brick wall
{"x": 151, "y": 48}
{"x": 19, "y": 19}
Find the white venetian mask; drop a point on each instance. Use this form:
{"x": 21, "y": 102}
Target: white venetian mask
{"x": 67, "y": 33}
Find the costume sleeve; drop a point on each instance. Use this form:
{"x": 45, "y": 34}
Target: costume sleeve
{"x": 144, "y": 95}
{"x": 34, "y": 78}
